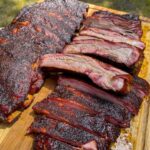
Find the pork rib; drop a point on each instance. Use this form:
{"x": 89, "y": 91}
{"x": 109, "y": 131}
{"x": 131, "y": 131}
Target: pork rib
{"x": 65, "y": 133}
{"x": 109, "y": 36}
{"x": 44, "y": 142}
{"x": 103, "y": 75}
{"x": 130, "y": 101}
{"x": 112, "y": 112}
{"x": 117, "y": 52}
{"x": 127, "y": 25}
{"x": 64, "y": 110}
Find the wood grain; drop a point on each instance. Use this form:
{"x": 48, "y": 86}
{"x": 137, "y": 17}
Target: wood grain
{"x": 147, "y": 137}
{"x": 13, "y": 137}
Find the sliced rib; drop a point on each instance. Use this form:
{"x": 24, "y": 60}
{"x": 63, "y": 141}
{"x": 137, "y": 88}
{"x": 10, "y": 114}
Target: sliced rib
{"x": 65, "y": 133}
{"x": 127, "y": 25}
{"x": 117, "y": 52}
{"x": 44, "y": 142}
{"x": 130, "y": 101}
{"x": 102, "y": 74}
{"x": 111, "y": 36}
{"x": 112, "y": 112}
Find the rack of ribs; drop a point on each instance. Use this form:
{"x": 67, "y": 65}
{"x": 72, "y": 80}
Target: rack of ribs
{"x": 42, "y": 28}
{"x": 45, "y": 142}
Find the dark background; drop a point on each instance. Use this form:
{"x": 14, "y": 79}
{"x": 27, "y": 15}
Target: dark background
{"x": 9, "y": 8}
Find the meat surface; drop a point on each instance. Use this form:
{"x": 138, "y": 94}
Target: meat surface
{"x": 73, "y": 113}
{"x": 109, "y": 36}
{"x": 42, "y": 28}
{"x": 131, "y": 101}
{"x": 114, "y": 38}
{"x": 102, "y": 74}
{"x": 127, "y": 25}
{"x": 112, "y": 113}
{"x": 44, "y": 142}
{"x": 61, "y": 131}
{"x": 117, "y": 52}
{"x": 114, "y": 28}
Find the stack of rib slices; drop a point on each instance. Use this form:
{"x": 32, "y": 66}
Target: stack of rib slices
{"x": 81, "y": 115}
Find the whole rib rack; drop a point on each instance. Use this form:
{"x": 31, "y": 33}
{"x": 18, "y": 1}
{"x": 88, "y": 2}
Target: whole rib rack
{"x": 42, "y": 28}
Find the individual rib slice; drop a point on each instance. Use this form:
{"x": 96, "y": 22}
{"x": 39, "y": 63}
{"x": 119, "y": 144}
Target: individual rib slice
{"x": 111, "y": 36}
{"x": 117, "y": 52}
{"x": 102, "y": 74}
{"x": 127, "y": 25}
{"x": 130, "y": 101}
{"x": 44, "y": 142}
{"x": 73, "y": 113}
{"x": 65, "y": 133}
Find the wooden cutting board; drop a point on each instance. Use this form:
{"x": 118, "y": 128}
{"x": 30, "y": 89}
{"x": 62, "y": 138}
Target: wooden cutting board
{"x": 13, "y": 137}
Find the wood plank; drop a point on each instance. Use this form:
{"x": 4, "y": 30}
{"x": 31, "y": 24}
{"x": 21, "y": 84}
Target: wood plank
{"x": 13, "y": 137}
{"x": 147, "y": 141}
{"x": 144, "y": 73}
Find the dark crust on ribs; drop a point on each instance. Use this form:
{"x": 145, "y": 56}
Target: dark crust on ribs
{"x": 98, "y": 105}
{"x": 79, "y": 112}
{"x": 33, "y": 32}
{"x": 20, "y": 76}
{"x": 131, "y": 101}
{"x": 65, "y": 110}
{"x": 44, "y": 142}
{"x": 61, "y": 131}
{"x": 50, "y": 23}
{"x": 130, "y": 23}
